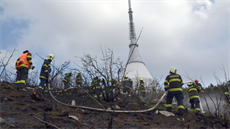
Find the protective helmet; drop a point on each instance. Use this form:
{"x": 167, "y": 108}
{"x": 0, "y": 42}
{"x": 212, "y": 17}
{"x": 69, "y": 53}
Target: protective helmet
{"x": 173, "y": 70}
{"x": 141, "y": 79}
{"x": 50, "y": 56}
{"x": 71, "y": 74}
{"x": 126, "y": 76}
{"x": 190, "y": 82}
{"x": 25, "y": 51}
{"x": 196, "y": 81}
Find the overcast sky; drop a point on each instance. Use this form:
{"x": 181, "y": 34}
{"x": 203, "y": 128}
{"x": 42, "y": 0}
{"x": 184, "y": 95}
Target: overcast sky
{"x": 191, "y": 35}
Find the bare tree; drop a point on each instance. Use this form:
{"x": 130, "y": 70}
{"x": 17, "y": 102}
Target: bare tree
{"x": 6, "y": 63}
{"x": 106, "y": 67}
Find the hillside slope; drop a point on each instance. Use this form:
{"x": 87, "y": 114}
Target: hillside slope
{"x": 18, "y": 110}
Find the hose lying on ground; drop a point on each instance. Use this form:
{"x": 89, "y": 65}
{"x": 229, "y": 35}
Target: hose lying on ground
{"x": 109, "y": 110}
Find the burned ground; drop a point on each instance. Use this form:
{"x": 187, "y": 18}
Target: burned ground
{"x": 18, "y": 110}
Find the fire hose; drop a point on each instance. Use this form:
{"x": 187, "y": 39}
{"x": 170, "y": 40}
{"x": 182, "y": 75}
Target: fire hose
{"x": 108, "y": 110}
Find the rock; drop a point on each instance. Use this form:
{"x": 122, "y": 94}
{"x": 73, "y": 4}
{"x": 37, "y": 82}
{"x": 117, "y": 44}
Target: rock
{"x": 166, "y": 113}
{"x": 157, "y": 112}
{"x": 2, "y": 120}
{"x": 74, "y": 117}
{"x": 73, "y": 103}
{"x": 180, "y": 119}
{"x": 117, "y": 107}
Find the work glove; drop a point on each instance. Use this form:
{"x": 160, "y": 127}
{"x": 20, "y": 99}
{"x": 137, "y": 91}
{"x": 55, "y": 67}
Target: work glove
{"x": 32, "y": 67}
{"x": 103, "y": 80}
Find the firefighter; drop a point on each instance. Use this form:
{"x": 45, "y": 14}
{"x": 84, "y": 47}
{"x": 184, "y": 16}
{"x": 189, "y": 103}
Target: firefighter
{"x": 95, "y": 86}
{"x": 200, "y": 88}
{"x": 142, "y": 88}
{"x": 226, "y": 93}
{"x": 44, "y": 74}
{"x": 127, "y": 86}
{"x": 79, "y": 80}
{"x": 23, "y": 64}
{"x": 112, "y": 88}
{"x": 194, "y": 97}
{"x": 173, "y": 84}
{"x": 66, "y": 81}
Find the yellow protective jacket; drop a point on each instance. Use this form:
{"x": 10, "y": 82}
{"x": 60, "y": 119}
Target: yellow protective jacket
{"x": 173, "y": 83}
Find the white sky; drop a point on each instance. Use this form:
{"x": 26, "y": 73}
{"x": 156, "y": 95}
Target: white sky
{"x": 191, "y": 35}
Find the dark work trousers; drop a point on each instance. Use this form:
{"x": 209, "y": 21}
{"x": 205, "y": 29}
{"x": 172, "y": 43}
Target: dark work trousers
{"x": 43, "y": 84}
{"x": 66, "y": 86}
{"x": 127, "y": 92}
{"x": 111, "y": 96}
{"x": 78, "y": 90}
{"x": 142, "y": 94}
{"x": 97, "y": 94}
{"x": 78, "y": 84}
{"x": 195, "y": 104}
{"x": 179, "y": 97}
{"x": 22, "y": 75}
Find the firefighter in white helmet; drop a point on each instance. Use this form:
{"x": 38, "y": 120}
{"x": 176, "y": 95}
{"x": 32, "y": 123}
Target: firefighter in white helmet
{"x": 173, "y": 84}
{"x": 44, "y": 74}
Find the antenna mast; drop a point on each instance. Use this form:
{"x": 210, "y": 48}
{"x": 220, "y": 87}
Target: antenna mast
{"x": 132, "y": 35}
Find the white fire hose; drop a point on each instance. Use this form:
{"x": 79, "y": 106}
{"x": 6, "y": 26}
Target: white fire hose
{"x": 108, "y": 110}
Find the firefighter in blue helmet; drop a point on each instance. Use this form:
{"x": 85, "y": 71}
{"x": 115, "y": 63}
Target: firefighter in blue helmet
{"x": 173, "y": 84}
{"x": 44, "y": 74}
{"x": 193, "y": 90}
{"x": 66, "y": 82}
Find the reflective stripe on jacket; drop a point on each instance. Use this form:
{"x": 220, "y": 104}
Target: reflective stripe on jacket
{"x": 45, "y": 70}
{"x": 25, "y": 60}
{"x": 173, "y": 82}
{"x": 127, "y": 82}
{"x": 79, "y": 79}
{"x": 142, "y": 86}
{"x": 95, "y": 84}
{"x": 193, "y": 91}
{"x": 67, "y": 77}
